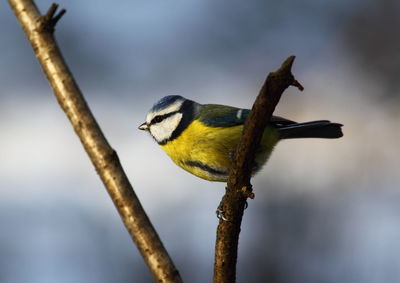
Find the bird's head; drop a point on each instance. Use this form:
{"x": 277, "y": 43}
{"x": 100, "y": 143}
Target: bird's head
{"x": 169, "y": 117}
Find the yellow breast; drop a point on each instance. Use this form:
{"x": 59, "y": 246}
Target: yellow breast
{"x": 207, "y": 151}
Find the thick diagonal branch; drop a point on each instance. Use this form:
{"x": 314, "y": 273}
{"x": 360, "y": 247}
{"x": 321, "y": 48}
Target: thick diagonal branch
{"x": 239, "y": 188}
{"x": 39, "y": 30}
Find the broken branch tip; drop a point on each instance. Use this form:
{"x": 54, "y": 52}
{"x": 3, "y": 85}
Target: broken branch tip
{"x": 295, "y": 83}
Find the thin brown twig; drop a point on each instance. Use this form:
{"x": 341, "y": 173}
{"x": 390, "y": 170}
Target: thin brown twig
{"x": 57, "y": 17}
{"x": 238, "y": 187}
{"x": 39, "y": 30}
{"x": 51, "y": 11}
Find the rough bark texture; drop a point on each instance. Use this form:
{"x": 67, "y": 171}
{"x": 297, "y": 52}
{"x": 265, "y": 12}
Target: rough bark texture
{"x": 39, "y": 30}
{"x": 238, "y": 187}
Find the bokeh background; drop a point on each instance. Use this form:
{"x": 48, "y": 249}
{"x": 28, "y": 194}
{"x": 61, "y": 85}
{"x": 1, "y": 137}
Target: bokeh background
{"x": 325, "y": 210}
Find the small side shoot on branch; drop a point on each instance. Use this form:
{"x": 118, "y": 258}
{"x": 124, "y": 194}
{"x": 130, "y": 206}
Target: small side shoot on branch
{"x": 49, "y": 21}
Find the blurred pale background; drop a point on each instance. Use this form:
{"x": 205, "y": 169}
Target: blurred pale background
{"x": 325, "y": 210}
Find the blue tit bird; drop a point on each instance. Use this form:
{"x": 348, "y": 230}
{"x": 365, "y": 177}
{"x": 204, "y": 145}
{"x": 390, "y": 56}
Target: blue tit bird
{"x": 201, "y": 138}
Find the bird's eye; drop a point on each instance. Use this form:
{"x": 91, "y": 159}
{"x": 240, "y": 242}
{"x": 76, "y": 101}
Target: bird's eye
{"x": 157, "y": 119}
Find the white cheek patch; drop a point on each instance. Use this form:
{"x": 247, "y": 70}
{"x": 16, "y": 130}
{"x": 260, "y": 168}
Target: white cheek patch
{"x": 171, "y": 108}
{"x": 163, "y": 130}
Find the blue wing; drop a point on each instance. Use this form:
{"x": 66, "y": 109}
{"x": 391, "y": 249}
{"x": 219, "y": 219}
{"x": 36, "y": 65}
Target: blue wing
{"x": 222, "y": 116}
{"x": 226, "y": 116}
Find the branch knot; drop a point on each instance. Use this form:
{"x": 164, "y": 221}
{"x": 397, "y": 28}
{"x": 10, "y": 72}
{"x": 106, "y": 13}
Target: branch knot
{"x": 247, "y": 191}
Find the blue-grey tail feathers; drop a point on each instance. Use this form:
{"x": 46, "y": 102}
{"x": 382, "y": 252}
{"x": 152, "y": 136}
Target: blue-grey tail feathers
{"x": 315, "y": 129}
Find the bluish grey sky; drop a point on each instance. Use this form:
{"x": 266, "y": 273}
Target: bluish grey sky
{"x": 325, "y": 211}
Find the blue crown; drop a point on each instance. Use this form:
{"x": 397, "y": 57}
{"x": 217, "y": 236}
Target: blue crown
{"x": 165, "y": 101}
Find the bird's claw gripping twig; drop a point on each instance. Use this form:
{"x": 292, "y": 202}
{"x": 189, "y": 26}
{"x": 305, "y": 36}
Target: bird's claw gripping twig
{"x": 221, "y": 215}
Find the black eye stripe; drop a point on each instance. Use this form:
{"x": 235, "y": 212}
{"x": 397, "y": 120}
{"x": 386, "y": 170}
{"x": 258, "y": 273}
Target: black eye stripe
{"x": 188, "y": 108}
{"x": 159, "y": 118}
